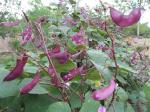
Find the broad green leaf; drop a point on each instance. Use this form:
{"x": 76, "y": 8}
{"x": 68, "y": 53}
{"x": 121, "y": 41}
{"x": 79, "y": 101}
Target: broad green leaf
{"x": 37, "y": 103}
{"x": 75, "y": 101}
{"x": 129, "y": 108}
{"x": 118, "y": 107}
{"x": 100, "y": 61}
{"x": 89, "y": 104}
{"x": 7, "y": 88}
{"x": 10, "y": 88}
{"x": 103, "y": 70}
{"x": 11, "y": 104}
{"x": 126, "y": 67}
{"x": 30, "y": 68}
{"x": 76, "y": 86}
{"x": 121, "y": 79}
{"x": 59, "y": 107}
{"x": 93, "y": 74}
{"x": 121, "y": 93}
{"x": 64, "y": 67}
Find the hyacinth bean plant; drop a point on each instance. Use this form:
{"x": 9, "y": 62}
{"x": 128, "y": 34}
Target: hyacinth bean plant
{"x": 76, "y": 62}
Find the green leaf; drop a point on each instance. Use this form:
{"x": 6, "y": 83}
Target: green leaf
{"x": 123, "y": 96}
{"x": 72, "y": 1}
{"x": 59, "y": 107}
{"x": 118, "y": 107}
{"x": 10, "y": 88}
{"x": 147, "y": 93}
{"x": 89, "y": 104}
{"x": 11, "y": 104}
{"x": 75, "y": 101}
{"x": 37, "y": 103}
{"x": 129, "y": 108}
{"x": 76, "y": 86}
{"x": 101, "y": 62}
{"x": 64, "y": 67}
{"x": 126, "y": 67}
{"x": 93, "y": 74}
{"x": 7, "y": 88}
{"x": 30, "y": 68}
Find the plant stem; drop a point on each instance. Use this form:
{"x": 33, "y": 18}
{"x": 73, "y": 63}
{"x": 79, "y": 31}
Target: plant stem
{"x": 111, "y": 36}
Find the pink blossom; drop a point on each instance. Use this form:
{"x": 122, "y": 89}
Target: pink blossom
{"x": 134, "y": 57}
{"x": 62, "y": 56}
{"x": 78, "y": 38}
{"x": 103, "y": 47}
{"x": 70, "y": 21}
{"x": 101, "y": 109}
{"x": 42, "y": 19}
{"x": 104, "y": 93}
{"x": 83, "y": 12}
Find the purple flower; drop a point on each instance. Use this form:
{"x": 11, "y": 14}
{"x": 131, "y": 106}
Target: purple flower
{"x": 10, "y": 24}
{"x": 26, "y": 35}
{"x": 29, "y": 86}
{"x": 101, "y": 109}
{"x": 18, "y": 69}
{"x": 70, "y": 21}
{"x": 134, "y": 57}
{"x": 103, "y": 47}
{"x": 78, "y": 38}
{"x": 61, "y": 56}
{"x": 83, "y": 12}
{"x": 42, "y": 19}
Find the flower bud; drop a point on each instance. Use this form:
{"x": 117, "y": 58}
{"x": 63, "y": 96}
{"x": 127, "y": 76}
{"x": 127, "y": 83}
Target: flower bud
{"x": 101, "y": 109}
{"x": 62, "y": 57}
{"x": 78, "y": 38}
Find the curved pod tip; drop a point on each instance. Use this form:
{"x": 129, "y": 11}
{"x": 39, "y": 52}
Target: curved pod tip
{"x": 29, "y": 86}
{"x": 18, "y": 69}
{"x": 105, "y": 92}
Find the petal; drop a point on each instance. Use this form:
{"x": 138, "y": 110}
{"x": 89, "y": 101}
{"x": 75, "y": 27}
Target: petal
{"x": 102, "y": 109}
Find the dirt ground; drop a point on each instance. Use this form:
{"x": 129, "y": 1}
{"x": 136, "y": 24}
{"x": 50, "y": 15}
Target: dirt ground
{"x": 4, "y": 45}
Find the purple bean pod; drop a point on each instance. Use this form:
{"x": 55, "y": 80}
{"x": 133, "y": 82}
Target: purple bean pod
{"x": 18, "y": 69}
{"x": 125, "y": 20}
{"x": 30, "y": 85}
{"x": 105, "y": 92}
{"x": 73, "y": 73}
{"x": 10, "y": 23}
